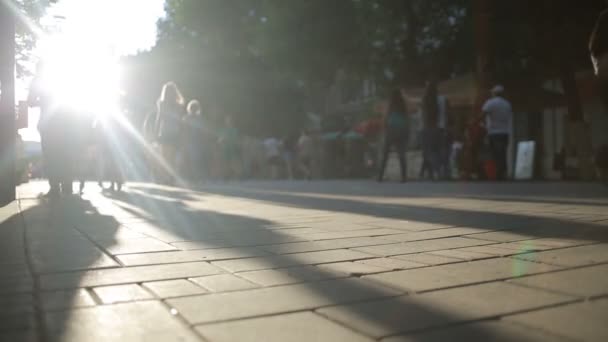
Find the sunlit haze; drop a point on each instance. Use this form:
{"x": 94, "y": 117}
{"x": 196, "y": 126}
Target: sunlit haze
{"x": 81, "y": 50}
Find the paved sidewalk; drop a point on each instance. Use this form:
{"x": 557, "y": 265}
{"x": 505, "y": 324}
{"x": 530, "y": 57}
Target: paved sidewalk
{"x": 307, "y": 261}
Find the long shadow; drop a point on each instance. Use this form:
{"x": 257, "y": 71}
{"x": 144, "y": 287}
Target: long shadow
{"x": 542, "y": 227}
{"x": 190, "y": 224}
{"x": 47, "y": 237}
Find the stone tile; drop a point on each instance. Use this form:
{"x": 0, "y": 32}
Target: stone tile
{"x": 131, "y": 246}
{"x": 309, "y": 258}
{"x": 17, "y": 304}
{"x": 121, "y": 293}
{"x": 240, "y": 242}
{"x": 352, "y": 268}
{"x": 431, "y": 234}
{"x": 582, "y": 321}
{"x": 142, "y": 321}
{"x": 502, "y": 236}
{"x": 575, "y": 256}
{"x": 420, "y": 246}
{"x": 352, "y": 233}
{"x": 21, "y": 336}
{"x": 302, "y": 326}
{"x": 460, "y": 254}
{"x": 191, "y": 255}
{"x": 289, "y": 275}
{"x": 223, "y": 283}
{"x": 311, "y": 246}
{"x": 173, "y": 288}
{"x": 427, "y": 259}
{"x": 16, "y": 285}
{"x": 485, "y": 331}
{"x": 391, "y": 263}
{"x": 410, "y": 313}
{"x": 495, "y": 250}
{"x": 584, "y": 282}
{"x": 415, "y": 226}
{"x": 274, "y": 300}
{"x": 437, "y": 277}
{"x": 58, "y": 300}
{"x": 25, "y": 321}
{"x": 126, "y": 275}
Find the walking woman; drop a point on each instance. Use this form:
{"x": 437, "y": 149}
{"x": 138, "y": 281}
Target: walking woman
{"x": 170, "y": 111}
{"x": 396, "y": 133}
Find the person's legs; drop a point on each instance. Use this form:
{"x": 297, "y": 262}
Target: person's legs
{"x": 499, "y": 144}
{"x": 400, "y": 145}
{"x": 385, "y": 151}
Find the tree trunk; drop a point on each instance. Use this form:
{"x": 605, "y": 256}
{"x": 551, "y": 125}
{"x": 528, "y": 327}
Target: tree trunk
{"x": 7, "y": 105}
{"x": 482, "y": 12}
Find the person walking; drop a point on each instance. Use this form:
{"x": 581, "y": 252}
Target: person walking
{"x": 498, "y": 115}
{"x": 170, "y": 111}
{"x": 55, "y": 133}
{"x": 193, "y": 144}
{"x": 431, "y": 135}
{"x": 396, "y": 133}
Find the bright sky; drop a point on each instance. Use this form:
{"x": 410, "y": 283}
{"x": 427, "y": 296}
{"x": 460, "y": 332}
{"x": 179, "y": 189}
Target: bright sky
{"x": 114, "y": 27}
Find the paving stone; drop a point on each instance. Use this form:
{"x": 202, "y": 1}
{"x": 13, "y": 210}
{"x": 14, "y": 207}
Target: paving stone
{"x": 430, "y": 278}
{"x": 140, "y": 321}
{"x": 585, "y": 282}
{"x": 304, "y": 326}
{"x": 141, "y": 245}
{"x": 309, "y": 258}
{"x": 484, "y": 331}
{"x": 352, "y": 233}
{"x": 391, "y": 263}
{"x": 432, "y": 234}
{"x": 311, "y": 246}
{"x": 575, "y": 256}
{"x": 173, "y": 288}
{"x": 289, "y": 275}
{"x": 21, "y": 336}
{"x": 274, "y": 300}
{"x": 80, "y": 256}
{"x": 420, "y": 246}
{"x": 352, "y": 268}
{"x": 582, "y": 321}
{"x": 58, "y": 300}
{"x": 192, "y": 255}
{"x": 460, "y": 254}
{"x": 241, "y": 242}
{"x": 16, "y": 304}
{"x": 495, "y": 250}
{"x": 121, "y": 293}
{"x": 125, "y": 275}
{"x": 10, "y": 285}
{"x": 427, "y": 259}
{"x": 410, "y": 313}
{"x": 25, "y": 321}
{"x": 415, "y": 226}
{"x": 223, "y": 283}
{"x": 502, "y": 236}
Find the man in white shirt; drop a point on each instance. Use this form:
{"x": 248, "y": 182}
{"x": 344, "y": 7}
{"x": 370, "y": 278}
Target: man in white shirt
{"x": 499, "y": 115}
{"x": 273, "y": 155}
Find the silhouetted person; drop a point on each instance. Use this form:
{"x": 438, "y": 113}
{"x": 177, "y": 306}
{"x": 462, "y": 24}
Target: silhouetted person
{"x": 170, "y": 111}
{"x": 54, "y": 127}
{"x": 194, "y": 146}
{"x": 396, "y": 133}
{"x": 431, "y": 135}
{"x": 598, "y": 48}
{"x": 499, "y": 115}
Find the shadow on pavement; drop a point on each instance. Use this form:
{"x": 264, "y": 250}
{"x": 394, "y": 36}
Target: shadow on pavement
{"x": 541, "y": 227}
{"x": 43, "y": 237}
{"x": 213, "y": 227}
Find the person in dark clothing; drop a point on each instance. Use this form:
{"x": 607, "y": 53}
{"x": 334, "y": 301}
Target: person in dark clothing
{"x": 431, "y": 134}
{"x": 396, "y": 129}
{"x": 168, "y": 126}
{"x": 55, "y": 135}
{"x": 598, "y": 48}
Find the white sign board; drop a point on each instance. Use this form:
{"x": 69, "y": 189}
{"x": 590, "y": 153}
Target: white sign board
{"x": 524, "y": 162}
